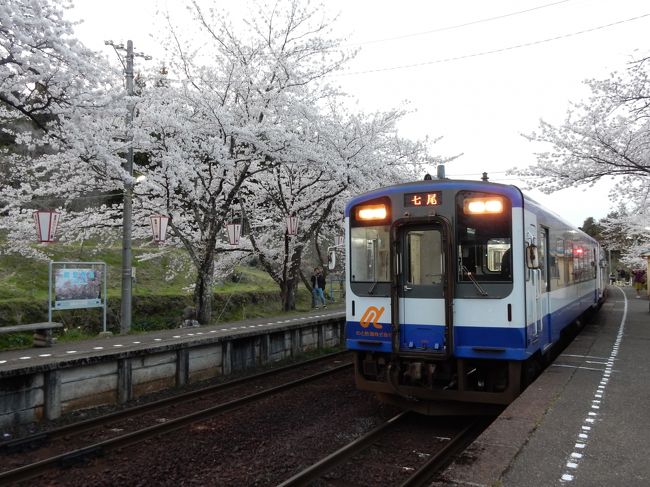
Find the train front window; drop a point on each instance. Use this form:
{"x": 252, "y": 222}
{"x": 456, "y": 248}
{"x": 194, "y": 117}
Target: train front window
{"x": 425, "y": 265}
{"x": 484, "y": 238}
{"x": 369, "y": 254}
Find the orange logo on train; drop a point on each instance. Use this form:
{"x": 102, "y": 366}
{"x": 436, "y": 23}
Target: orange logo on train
{"x": 371, "y": 317}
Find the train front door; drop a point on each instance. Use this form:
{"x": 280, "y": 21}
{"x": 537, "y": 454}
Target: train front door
{"x": 422, "y": 291}
{"x": 535, "y": 288}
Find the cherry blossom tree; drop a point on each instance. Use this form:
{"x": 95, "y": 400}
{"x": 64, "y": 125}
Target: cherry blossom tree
{"x": 241, "y": 119}
{"x": 606, "y": 136}
{"x": 44, "y": 70}
{"x": 332, "y": 158}
{"x": 228, "y": 121}
{"x": 50, "y": 86}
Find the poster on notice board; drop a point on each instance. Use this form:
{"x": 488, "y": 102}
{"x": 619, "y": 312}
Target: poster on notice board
{"x": 78, "y": 288}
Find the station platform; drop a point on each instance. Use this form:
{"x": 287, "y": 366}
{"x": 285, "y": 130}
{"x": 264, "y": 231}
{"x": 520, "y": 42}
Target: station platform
{"x": 585, "y": 421}
{"x": 91, "y": 348}
{"x": 45, "y": 383}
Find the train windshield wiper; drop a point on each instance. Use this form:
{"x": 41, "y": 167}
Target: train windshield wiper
{"x": 478, "y": 287}
{"x": 372, "y": 288}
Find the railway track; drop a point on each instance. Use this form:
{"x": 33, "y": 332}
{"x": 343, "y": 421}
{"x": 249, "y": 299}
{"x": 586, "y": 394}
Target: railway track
{"x": 406, "y": 450}
{"x": 157, "y": 417}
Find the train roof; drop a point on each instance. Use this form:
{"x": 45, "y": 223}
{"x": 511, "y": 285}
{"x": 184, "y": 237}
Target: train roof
{"x": 512, "y": 192}
{"x": 516, "y": 195}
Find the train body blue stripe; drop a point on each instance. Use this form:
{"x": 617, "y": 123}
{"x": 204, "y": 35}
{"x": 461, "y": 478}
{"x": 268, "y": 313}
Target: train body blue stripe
{"x": 486, "y": 342}
{"x": 490, "y": 343}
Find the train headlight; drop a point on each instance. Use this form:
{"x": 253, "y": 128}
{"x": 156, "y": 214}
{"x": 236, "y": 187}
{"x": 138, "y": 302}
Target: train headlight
{"x": 371, "y": 212}
{"x": 479, "y": 206}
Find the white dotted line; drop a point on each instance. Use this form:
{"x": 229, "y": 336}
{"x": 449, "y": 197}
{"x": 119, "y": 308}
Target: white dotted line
{"x": 583, "y": 437}
{"x": 118, "y": 345}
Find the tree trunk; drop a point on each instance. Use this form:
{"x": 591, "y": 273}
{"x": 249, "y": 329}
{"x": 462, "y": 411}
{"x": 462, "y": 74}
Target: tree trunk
{"x": 203, "y": 292}
{"x": 289, "y": 287}
{"x": 288, "y": 295}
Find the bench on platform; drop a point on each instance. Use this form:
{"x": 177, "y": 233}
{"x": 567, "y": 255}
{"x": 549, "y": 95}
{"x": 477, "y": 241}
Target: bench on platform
{"x": 42, "y": 331}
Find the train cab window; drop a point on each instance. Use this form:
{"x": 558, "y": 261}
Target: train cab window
{"x": 484, "y": 242}
{"x": 369, "y": 258}
{"x": 485, "y": 260}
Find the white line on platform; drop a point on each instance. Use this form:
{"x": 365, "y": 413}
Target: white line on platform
{"x": 572, "y": 461}
{"x": 585, "y": 356}
{"x": 576, "y": 367}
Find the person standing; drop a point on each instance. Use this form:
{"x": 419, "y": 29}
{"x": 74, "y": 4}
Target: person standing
{"x": 638, "y": 280}
{"x": 318, "y": 288}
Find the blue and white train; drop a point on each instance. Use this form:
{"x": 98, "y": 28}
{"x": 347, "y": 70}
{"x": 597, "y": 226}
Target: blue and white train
{"x": 456, "y": 290}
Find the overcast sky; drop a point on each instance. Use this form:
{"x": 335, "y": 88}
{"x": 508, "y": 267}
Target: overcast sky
{"x": 478, "y": 73}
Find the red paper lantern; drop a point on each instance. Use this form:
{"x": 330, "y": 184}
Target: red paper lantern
{"x": 46, "y": 222}
{"x": 292, "y": 225}
{"x": 234, "y": 232}
{"x": 159, "y": 227}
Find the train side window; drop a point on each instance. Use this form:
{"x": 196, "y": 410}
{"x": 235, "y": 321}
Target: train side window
{"x": 568, "y": 263}
{"x": 542, "y": 249}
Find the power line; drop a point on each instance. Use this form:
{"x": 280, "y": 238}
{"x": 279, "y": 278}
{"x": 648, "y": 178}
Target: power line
{"x": 457, "y": 26}
{"x": 495, "y": 51}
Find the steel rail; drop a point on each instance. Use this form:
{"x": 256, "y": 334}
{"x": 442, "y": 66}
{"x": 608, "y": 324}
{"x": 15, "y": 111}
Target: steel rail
{"x": 419, "y": 478}
{"x": 422, "y": 476}
{"x": 315, "y": 471}
{"x": 33, "y": 441}
{"x": 38, "y": 468}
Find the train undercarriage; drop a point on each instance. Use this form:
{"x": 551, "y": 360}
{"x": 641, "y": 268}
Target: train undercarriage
{"x": 439, "y": 387}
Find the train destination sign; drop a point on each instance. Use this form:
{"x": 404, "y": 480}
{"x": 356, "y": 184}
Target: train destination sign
{"x": 428, "y": 198}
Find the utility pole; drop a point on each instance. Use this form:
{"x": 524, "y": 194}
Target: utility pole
{"x": 127, "y": 214}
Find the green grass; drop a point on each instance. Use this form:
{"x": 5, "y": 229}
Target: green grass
{"x": 28, "y": 278}
{"x": 159, "y": 296}
{"x": 21, "y": 277}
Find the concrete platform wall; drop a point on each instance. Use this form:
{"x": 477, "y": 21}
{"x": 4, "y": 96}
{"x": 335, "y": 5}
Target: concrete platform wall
{"x": 34, "y": 394}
